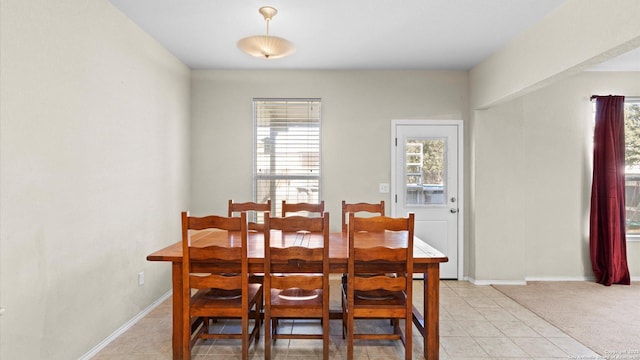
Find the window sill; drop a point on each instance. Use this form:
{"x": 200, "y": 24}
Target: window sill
{"x": 633, "y": 238}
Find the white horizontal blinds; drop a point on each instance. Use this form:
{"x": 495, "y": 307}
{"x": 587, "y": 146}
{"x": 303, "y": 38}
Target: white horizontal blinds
{"x": 287, "y": 150}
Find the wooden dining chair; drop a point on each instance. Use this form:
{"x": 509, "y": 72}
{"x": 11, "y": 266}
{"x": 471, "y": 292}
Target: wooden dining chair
{"x": 388, "y": 249}
{"x": 219, "y": 295}
{"x": 296, "y": 281}
{"x": 302, "y": 208}
{"x": 358, "y": 208}
{"x": 252, "y": 209}
{"x": 355, "y": 209}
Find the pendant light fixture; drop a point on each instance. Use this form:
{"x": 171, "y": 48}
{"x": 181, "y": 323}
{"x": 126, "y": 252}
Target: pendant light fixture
{"x": 266, "y": 46}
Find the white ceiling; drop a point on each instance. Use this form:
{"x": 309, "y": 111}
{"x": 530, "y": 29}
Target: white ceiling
{"x": 339, "y": 34}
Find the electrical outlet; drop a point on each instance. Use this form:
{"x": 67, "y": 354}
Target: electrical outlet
{"x": 383, "y": 188}
{"x": 141, "y": 278}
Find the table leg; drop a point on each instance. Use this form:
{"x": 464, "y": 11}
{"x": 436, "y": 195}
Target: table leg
{"x": 431, "y": 312}
{"x": 176, "y": 280}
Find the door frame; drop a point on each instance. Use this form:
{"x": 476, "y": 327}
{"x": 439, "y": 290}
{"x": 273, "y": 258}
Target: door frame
{"x": 460, "y": 202}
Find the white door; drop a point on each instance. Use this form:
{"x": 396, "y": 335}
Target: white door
{"x": 426, "y": 180}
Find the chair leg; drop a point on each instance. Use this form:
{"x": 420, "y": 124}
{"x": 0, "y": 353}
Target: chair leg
{"x": 245, "y": 336}
{"x": 274, "y": 329}
{"x": 325, "y": 333}
{"x": 344, "y": 317}
{"x": 267, "y": 335}
{"x": 350, "y": 335}
{"x": 344, "y": 324}
{"x": 258, "y": 323}
{"x": 408, "y": 345}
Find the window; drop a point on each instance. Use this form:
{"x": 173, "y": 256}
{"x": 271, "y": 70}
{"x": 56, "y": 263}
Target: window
{"x": 425, "y": 170}
{"x": 632, "y": 167}
{"x": 287, "y": 151}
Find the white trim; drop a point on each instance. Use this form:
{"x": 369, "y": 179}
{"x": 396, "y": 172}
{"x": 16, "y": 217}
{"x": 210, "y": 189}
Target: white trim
{"x": 497, "y": 282}
{"x": 560, "y": 278}
{"x": 633, "y": 238}
{"x": 589, "y": 278}
{"x": 460, "y": 125}
{"x": 126, "y": 326}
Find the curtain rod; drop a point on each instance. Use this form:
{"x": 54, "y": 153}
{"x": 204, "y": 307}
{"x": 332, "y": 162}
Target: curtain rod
{"x": 631, "y": 98}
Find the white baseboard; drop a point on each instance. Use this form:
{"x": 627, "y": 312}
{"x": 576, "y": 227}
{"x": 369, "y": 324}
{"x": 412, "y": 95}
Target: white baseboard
{"x": 126, "y": 326}
{"x": 560, "y": 278}
{"x": 535, "y": 278}
{"x": 496, "y": 282}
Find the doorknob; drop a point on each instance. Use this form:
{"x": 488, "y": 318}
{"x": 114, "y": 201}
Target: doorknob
{"x": 453, "y": 210}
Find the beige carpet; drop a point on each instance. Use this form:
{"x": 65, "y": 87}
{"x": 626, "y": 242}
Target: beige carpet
{"x": 606, "y": 319}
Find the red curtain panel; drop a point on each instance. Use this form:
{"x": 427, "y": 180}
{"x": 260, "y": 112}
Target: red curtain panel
{"x": 607, "y": 232}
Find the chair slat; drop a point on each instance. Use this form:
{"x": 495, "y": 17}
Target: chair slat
{"x": 216, "y": 281}
{"x": 214, "y": 221}
{"x": 360, "y": 208}
{"x": 297, "y": 253}
{"x": 380, "y": 282}
{"x": 380, "y": 253}
{"x": 248, "y": 207}
{"x": 317, "y": 209}
{"x": 380, "y": 223}
{"x": 297, "y": 223}
{"x": 297, "y": 281}
{"x": 215, "y": 252}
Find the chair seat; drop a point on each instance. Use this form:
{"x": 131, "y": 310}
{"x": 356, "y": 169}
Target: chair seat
{"x": 304, "y": 303}
{"x": 210, "y": 300}
{"x": 379, "y": 296}
{"x": 296, "y": 294}
{"x": 367, "y": 301}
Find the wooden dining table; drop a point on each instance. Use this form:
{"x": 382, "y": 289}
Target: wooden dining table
{"x": 426, "y": 260}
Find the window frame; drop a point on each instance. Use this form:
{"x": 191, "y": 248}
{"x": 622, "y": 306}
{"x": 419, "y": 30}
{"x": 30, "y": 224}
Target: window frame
{"x": 276, "y": 201}
{"x": 630, "y": 237}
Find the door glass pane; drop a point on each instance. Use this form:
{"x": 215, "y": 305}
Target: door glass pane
{"x": 425, "y": 171}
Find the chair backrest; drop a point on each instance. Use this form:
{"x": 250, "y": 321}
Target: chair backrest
{"x": 252, "y": 209}
{"x": 200, "y": 263}
{"x": 299, "y": 207}
{"x": 310, "y": 254}
{"x": 360, "y": 207}
{"x": 388, "y": 249}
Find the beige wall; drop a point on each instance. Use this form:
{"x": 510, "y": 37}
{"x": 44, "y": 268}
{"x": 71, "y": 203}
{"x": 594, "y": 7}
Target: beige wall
{"x": 357, "y": 109}
{"x": 498, "y": 242}
{"x": 94, "y": 158}
{"x": 533, "y": 181}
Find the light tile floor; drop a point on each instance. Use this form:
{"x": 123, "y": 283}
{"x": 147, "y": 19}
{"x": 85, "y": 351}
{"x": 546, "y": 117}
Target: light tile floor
{"x": 476, "y": 322}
